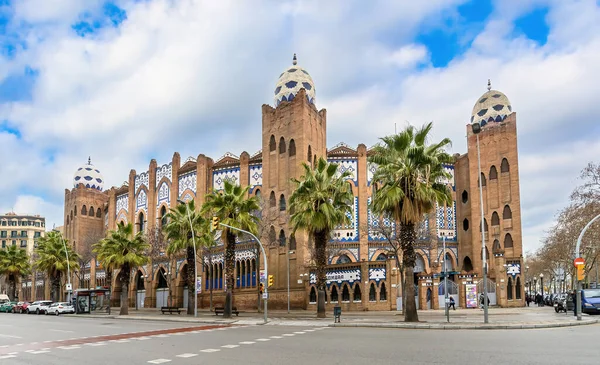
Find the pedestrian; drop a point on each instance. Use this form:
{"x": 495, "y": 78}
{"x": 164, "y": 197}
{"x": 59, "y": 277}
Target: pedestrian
{"x": 452, "y": 304}
{"x": 481, "y": 299}
{"x": 528, "y": 299}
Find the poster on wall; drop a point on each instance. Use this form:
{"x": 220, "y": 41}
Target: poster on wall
{"x": 198, "y": 284}
{"x": 471, "y": 295}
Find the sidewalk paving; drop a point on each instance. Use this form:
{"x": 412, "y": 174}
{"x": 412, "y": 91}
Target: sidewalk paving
{"x": 499, "y": 318}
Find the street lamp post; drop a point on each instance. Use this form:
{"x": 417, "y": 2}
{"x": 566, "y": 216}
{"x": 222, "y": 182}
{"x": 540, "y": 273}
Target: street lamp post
{"x": 289, "y": 252}
{"x": 445, "y": 279}
{"x": 542, "y": 288}
{"x": 579, "y": 287}
{"x": 69, "y": 287}
{"x": 187, "y": 208}
{"x": 476, "y": 130}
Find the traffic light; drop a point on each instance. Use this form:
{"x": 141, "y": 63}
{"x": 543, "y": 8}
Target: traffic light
{"x": 271, "y": 280}
{"x": 262, "y": 288}
{"x": 215, "y": 223}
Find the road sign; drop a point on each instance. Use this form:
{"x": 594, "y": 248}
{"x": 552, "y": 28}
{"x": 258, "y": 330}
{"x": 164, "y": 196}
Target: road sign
{"x": 579, "y": 261}
{"x": 69, "y": 287}
{"x": 265, "y": 296}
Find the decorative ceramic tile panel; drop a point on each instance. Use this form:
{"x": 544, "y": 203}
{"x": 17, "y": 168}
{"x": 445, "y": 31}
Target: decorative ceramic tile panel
{"x": 423, "y": 230}
{"x": 372, "y": 251}
{"x": 377, "y": 274}
{"x": 338, "y": 276}
{"x": 344, "y": 251}
{"x": 163, "y": 194}
{"x": 141, "y": 179}
{"x": 187, "y": 181}
{"x": 446, "y": 222}
{"x": 165, "y": 170}
{"x": 374, "y": 221}
{"x": 348, "y": 233}
{"x": 350, "y": 165}
{"x": 371, "y": 169}
{"x": 142, "y": 200}
{"x": 256, "y": 175}
{"x": 122, "y": 203}
{"x": 450, "y": 182}
{"x": 187, "y": 197}
{"x": 122, "y": 217}
{"x": 220, "y": 176}
{"x": 240, "y": 255}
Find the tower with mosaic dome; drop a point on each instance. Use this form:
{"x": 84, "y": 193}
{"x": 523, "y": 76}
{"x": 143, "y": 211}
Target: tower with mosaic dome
{"x": 362, "y": 274}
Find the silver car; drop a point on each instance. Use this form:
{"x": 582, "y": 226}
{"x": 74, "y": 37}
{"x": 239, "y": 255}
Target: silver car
{"x": 39, "y": 307}
{"x": 60, "y": 308}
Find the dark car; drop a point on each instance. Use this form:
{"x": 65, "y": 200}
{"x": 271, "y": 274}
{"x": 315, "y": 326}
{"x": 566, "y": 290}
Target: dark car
{"x": 590, "y": 298}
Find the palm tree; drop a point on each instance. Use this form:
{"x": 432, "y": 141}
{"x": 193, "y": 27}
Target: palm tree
{"x": 52, "y": 258}
{"x": 234, "y": 208}
{"x": 179, "y": 236}
{"x": 320, "y": 203}
{"x": 13, "y": 263}
{"x": 410, "y": 174}
{"x": 124, "y": 250}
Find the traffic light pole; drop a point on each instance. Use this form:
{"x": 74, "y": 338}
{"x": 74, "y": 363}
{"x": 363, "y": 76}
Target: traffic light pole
{"x": 579, "y": 288}
{"x": 266, "y": 294}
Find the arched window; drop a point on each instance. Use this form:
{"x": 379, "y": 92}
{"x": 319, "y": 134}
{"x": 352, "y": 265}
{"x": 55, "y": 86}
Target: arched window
{"x": 372, "y": 293}
{"x": 257, "y": 193}
{"x": 467, "y": 264}
{"x": 309, "y": 155}
{"x": 345, "y": 293}
{"x": 485, "y": 225}
{"x": 67, "y": 220}
{"x": 91, "y": 212}
{"x": 506, "y": 213}
{"x": 465, "y": 196}
{"x": 493, "y": 173}
{"x": 334, "y": 294}
{"x": 139, "y": 282}
{"x": 72, "y": 213}
{"x": 292, "y": 148}
{"x": 272, "y": 144}
{"x": 504, "y": 167}
{"x": 84, "y": 210}
{"x": 141, "y": 222}
{"x": 509, "y": 289}
{"x": 272, "y": 236}
{"x": 381, "y": 257}
{"x": 282, "y": 148}
{"x": 272, "y": 201}
{"x": 292, "y": 242}
{"x": 482, "y": 180}
{"x": 313, "y": 295}
{"x": 163, "y": 216}
{"x": 518, "y": 288}
{"x": 315, "y": 160}
{"x": 465, "y": 224}
{"x": 75, "y": 210}
{"x": 495, "y": 219}
{"x": 382, "y": 292}
{"x": 508, "y": 241}
{"x": 496, "y": 246}
{"x": 343, "y": 259}
{"x": 98, "y": 213}
{"x": 282, "y": 203}
{"x": 357, "y": 296}
{"x": 282, "y": 238}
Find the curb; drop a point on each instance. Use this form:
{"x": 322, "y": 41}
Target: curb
{"x": 465, "y": 326}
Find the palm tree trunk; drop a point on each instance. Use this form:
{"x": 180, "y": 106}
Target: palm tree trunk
{"x": 55, "y": 291}
{"x": 229, "y": 273}
{"x": 407, "y": 239}
{"x": 108, "y": 273}
{"x": 124, "y": 277}
{"x": 191, "y": 280}
{"x": 321, "y": 261}
{"x": 12, "y": 280}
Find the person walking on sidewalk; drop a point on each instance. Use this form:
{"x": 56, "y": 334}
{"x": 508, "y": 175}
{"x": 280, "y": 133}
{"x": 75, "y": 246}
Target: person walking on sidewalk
{"x": 452, "y": 304}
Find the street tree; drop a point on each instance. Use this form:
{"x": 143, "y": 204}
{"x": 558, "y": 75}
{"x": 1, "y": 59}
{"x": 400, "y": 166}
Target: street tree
{"x": 410, "y": 173}
{"x": 320, "y": 202}
{"x": 51, "y": 253}
{"x": 14, "y": 263}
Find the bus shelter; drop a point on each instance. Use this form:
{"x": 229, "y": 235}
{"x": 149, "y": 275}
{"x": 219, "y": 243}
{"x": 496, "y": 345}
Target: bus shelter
{"x": 91, "y": 301}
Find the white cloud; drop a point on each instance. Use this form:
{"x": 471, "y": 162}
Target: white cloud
{"x": 190, "y": 76}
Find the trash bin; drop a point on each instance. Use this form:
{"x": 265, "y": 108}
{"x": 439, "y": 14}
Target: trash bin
{"x": 337, "y": 313}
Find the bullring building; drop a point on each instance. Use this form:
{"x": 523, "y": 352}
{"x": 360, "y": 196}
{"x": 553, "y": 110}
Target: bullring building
{"x": 362, "y": 274}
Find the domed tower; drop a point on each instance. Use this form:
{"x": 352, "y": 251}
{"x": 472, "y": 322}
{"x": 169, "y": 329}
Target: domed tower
{"x": 294, "y": 132}
{"x": 495, "y": 146}
{"x": 85, "y": 215}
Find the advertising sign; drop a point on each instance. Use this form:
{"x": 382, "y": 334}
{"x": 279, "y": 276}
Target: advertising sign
{"x": 198, "y": 284}
{"x": 471, "y": 295}
{"x": 263, "y": 277}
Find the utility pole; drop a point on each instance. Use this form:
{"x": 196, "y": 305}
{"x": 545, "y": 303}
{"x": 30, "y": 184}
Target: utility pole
{"x": 445, "y": 280}
{"x": 579, "y": 287}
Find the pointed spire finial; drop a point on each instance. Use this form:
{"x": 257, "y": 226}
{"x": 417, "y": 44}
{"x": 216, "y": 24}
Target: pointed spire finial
{"x": 489, "y": 84}
{"x": 295, "y": 60}
{"x": 89, "y": 160}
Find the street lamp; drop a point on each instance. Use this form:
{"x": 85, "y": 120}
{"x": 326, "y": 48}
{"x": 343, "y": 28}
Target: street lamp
{"x": 579, "y": 286}
{"x": 289, "y": 252}
{"x": 187, "y": 208}
{"x": 69, "y": 287}
{"x": 542, "y": 288}
{"x": 476, "y": 127}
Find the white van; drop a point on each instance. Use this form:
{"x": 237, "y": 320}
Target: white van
{"x": 4, "y": 298}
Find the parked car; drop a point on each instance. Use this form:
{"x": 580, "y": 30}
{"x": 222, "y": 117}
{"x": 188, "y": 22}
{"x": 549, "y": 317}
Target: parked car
{"x": 591, "y": 301}
{"x": 4, "y": 298}
{"x": 39, "y": 307}
{"x": 21, "y": 307}
{"x": 60, "y": 308}
{"x": 7, "y": 307}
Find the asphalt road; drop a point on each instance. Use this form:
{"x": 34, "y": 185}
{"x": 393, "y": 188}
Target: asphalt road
{"x": 62, "y": 340}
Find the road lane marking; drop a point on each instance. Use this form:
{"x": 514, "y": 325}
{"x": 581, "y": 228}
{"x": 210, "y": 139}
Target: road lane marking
{"x": 178, "y": 334}
{"x": 39, "y": 352}
{"x": 211, "y": 350}
{"x": 230, "y": 346}
{"x": 299, "y": 333}
{"x": 185, "y": 356}
{"x": 63, "y": 331}
{"x": 263, "y": 339}
{"x": 73, "y": 347}
{"x": 309, "y": 330}
{"x": 9, "y": 336}
{"x": 289, "y": 335}
{"x": 159, "y": 361}
{"x": 276, "y": 337}
{"x": 247, "y": 342}
{"x": 96, "y": 344}
{"x": 7, "y": 357}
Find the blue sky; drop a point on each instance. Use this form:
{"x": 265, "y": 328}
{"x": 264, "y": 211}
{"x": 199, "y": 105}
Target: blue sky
{"x": 126, "y": 81}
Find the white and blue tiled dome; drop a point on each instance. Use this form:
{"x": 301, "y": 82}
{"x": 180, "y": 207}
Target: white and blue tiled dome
{"x": 89, "y": 176}
{"x": 493, "y": 106}
{"x": 291, "y": 81}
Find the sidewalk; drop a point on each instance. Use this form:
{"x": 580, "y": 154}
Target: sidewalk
{"x": 499, "y": 318}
